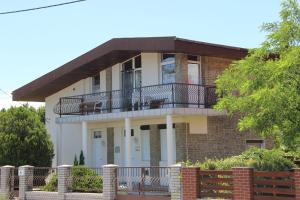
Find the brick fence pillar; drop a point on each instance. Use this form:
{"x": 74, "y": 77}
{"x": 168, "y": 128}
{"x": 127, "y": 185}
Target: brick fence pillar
{"x": 297, "y": 183}
{"x": 64, "y": 180}
{"x": 7, "y": 181}
{"x": 242, "y": 183}
{"x": 110, "y": 182}
{"x": 175, "y": 182}
{"x": 191, "y": 183}
{"x": 25, "y": 180}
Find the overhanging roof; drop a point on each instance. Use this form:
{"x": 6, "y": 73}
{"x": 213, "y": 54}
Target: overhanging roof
{"x": 112, "y": 52}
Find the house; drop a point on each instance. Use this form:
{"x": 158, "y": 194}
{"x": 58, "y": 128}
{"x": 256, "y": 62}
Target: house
{"x": 140, "y": 102}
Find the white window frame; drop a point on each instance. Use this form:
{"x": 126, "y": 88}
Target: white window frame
{"x": 133, "y": 68}
{"x": 162, "y": 63}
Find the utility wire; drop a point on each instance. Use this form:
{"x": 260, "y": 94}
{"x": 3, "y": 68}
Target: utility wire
{"x": 39, "y": 8}
{"x": 6, "y": 93}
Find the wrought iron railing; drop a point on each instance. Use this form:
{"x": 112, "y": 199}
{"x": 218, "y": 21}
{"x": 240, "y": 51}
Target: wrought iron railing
{"x": 174, "y": 95}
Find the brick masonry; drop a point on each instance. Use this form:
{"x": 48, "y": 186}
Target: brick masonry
{"x": 155, "y": 151}
{"x": 191, "y": 183}
{"x": 212, "y": 67}
{"x": 222, "y": 140}
{"x": 242, "y": 183}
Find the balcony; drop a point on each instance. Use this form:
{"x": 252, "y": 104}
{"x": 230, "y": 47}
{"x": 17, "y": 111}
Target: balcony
{"x": 174, "y": 95}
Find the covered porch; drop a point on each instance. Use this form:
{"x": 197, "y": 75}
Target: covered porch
{"x": 134, "y": 139}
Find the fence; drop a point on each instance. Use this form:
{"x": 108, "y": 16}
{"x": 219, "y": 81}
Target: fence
{"x": 275, "y": 185}
{"x": 216, "y": 184}
{"x": 240, "y": 184}
{"x": 143, "y": 180}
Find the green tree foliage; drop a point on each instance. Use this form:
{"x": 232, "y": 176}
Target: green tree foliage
{"x": 84, "y": 180}
{"x": 81, "y": 158}
{"x": 259, "y": 159}
{"x": 42, "y": 114}
{"x": 23, "y": 138}
{"x": 264, "y": 87}
{"x": 75, "y": 163}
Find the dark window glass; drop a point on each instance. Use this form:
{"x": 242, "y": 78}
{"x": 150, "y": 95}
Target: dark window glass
{"x": 138, "y": 62}
{"x": 145, "y": 127}
{"x": 96, "y": 80}
{"x": 127, "y": 66}
{"x": 167, "y": 57}
{"x": 163, "y": 126}
{"x": 192, "y": 58}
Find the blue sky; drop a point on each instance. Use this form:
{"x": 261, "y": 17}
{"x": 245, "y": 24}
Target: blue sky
{"x": 33, "y": 43}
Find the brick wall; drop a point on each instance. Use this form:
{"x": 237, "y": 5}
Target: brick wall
{"x": 212, "y": 67}
{"x": 155, "y": 152}
{"x": 243, "y": 183}
{"x": 222, "y": 140}
{"x": 191, "y": 183}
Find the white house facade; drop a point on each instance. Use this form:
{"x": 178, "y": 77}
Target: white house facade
{"x": 139, "y": 102}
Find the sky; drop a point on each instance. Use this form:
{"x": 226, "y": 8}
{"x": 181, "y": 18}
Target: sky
{"x": 34, "y": 43}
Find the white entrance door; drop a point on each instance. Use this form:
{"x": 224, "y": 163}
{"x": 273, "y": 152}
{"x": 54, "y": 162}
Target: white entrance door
{"x": 99, "y": 148}
{"x": 164, "y": 149}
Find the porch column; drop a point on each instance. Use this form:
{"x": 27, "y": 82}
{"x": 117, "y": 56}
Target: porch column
{"x": 170, "y": 140}
{"x": 127, "y": 142}
{"x": 85, "y": 140}
{"x": 128, "y": 151}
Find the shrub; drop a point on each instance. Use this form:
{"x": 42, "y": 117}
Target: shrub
{"x": 84, "y": 180}
{"x": 259, "y": 159}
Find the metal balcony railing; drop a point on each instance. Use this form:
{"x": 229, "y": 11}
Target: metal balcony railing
{"x": 173, "y": 95}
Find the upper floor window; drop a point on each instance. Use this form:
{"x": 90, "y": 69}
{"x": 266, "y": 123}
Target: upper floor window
{"x": 194, "y": 71}
{"x": 132, "y": 73}
{"x": 168, "y": 68}
{"x": 96, "y": 83}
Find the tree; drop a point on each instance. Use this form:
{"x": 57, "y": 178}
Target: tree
{"x": 75, "y": 163}
{"x": 41, "y": 113}
{"x": 264, "y": 88}
{"x": 23, "y": 138}
{"x": 81, "y": 158}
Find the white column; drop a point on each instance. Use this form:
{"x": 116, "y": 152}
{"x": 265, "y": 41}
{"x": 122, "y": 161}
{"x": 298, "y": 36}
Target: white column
{"x": 128, "y": 151}
{"x": 127, "y": 142}
{"x": 59, "y": 132}
{"x": 85, "y": 140}
{"x": 170, "y": 140}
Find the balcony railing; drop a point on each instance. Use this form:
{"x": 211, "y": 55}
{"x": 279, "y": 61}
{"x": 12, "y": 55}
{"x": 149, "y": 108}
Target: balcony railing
{"x": 174, "y": 95}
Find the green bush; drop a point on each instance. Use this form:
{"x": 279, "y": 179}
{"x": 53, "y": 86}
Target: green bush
{"x": 84, "y": 180}
{"x": 259, "y": 159}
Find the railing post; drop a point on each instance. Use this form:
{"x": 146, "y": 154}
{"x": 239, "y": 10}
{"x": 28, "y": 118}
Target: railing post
{"x": 243, "y": 183}
{"x": 110, "y": 182}
{"x": 198, "y": 96}
{"x": 191, "y": 183}
{"x": 205, "y": 96}
{"x": 25, "y": 180}
{"x": 175, "y": 182}
{"x": 297, "y": 183}
{"x": 173, "y": 96}
{"x": 59, "y": 107}
{"x": 140, "y": 98}
{"x": 7, "y": 181}
{"x": 64, "y": 180}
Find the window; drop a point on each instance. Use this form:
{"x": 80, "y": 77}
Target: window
{"x": 96, "y": 83}
{"x": 97, "y": 134}
{"x": 194, "y": 72}
{"x": 168, "y": 68}
{"x": 132, "y": 73}
{"x": 255, "y": 143}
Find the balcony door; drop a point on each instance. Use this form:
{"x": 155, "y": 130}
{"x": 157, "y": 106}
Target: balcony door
{"x": 131, "y": 82}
